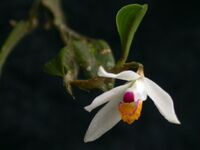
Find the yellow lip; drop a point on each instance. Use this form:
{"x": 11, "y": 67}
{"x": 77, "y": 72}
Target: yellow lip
{"x": 130, "y": 111}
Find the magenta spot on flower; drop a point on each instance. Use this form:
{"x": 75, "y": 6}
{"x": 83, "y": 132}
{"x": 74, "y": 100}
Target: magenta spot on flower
{"x": 128, "y": 97}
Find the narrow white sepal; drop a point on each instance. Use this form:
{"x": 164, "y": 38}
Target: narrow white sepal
{"x": 104, "y": 120}
{"x": 113, "y": 94}
{"x": 124, "y": 75}
{"x": 162, "y": 100}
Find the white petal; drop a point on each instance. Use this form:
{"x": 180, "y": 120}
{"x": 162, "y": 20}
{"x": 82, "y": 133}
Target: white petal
{"x": 139, "y": 90}
{"x": 113, "y": 94}
{"x": 125, "y": 75}
{"x": 103, "y": 121}
{"x": 162, "y": 100}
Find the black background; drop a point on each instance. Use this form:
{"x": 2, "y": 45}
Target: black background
{"x": 37, "y": 113}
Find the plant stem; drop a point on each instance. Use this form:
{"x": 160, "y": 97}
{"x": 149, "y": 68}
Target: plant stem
{"x": 21, "y": 29}
{"x": 66, "y": 33}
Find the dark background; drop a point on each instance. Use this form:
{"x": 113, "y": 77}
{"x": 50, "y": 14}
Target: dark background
{"x": 37, "y": 113}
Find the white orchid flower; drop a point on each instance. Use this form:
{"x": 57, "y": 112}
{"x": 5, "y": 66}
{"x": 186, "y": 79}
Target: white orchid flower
{"x": 125, "y": 103}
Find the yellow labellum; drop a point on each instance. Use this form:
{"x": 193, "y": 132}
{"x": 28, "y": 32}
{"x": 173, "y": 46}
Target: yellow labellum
{"x": 130, "y": 111}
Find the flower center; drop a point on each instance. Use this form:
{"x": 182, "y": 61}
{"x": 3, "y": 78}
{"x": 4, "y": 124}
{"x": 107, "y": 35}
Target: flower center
{"x": 130, "y": 111}
{"x": 128, "y": 97}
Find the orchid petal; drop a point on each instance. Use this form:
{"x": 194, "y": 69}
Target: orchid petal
{"x": 125, "y": 75}
{"x": 103, "y": 121}
{"x": 162, "y": 100}
{"x": 114, "y": 94}
{"x": 139, "y": 90}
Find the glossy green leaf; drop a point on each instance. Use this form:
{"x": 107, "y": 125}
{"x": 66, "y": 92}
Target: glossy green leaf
{"x": 128, "y": 19}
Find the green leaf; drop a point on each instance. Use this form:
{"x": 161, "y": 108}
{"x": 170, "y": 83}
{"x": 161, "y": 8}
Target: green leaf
{"x": 92, "y": 54}
{"x": 20, "y": 30}
{"x": 62, "y": 63}
{"x": 84, "y": 55}
{"x": 65, "y": 66}
{"x": 103, "y": 54}
{"x": 85, "y": 58}
{"x": 128, "y": 19}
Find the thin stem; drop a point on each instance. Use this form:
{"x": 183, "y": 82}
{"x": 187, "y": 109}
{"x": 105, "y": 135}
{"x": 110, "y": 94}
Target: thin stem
{"x": 124, "y": 56}
{"x": 21, "y": 29}
{"x": 59, "y": 22}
